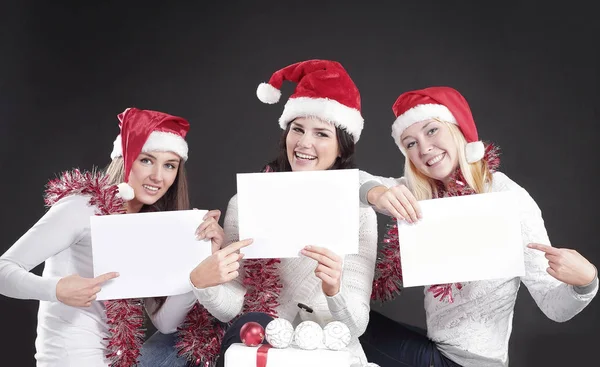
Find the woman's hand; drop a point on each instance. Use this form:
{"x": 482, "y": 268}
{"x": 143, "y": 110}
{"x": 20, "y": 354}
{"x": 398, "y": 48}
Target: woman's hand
{"x": 567, "y": 265}
{"x": 220, "y": 267}
{"x": 398, "y": 201}
{"x": 329, "y": 268}
{"x": 77, "y": 291}
{"x": 210, "y": 229}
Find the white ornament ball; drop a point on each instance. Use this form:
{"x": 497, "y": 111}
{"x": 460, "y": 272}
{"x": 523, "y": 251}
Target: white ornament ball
{"x": 279, "y": 333}
{"x": 308, "y": 335}
{"x": 336, "y": 335}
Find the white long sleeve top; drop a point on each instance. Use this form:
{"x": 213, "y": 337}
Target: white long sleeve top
{"x": 474, "y": 330}
{"x": 300, "y": 285}
{"x": 69, "y": 336}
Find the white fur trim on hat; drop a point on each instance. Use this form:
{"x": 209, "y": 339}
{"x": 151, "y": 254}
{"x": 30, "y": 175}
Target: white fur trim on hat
{"x": 326, "y": 109}
{"x": 117, "y": 148}
{"x": 420, "y": 113}
{"x": 158, "y": 141}
{"x": 125, "y": 191}
{"x": 474, "y": 151}
{"x": 268, "y": 93}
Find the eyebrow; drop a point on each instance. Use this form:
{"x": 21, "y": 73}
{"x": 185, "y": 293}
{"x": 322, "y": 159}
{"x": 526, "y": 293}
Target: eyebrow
{"x": 153, "y": 157}
{"x": 324, "y": 129}
{"x": 422, "y": 128}
{"x": 316, "y": 128}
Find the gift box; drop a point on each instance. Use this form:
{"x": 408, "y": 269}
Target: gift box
{"x": 240, "y": 355}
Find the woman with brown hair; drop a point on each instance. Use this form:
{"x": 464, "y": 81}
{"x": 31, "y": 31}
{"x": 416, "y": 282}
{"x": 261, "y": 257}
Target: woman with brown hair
{"x": 147, "y": 173}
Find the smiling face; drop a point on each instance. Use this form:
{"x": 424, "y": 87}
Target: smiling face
{"x": 311, "y": 144}
{"x": 431, "y": 148}
{"x": 151, "y": 176}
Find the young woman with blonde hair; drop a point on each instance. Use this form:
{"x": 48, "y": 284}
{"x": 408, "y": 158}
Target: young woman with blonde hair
{"x": 468, "y": 324}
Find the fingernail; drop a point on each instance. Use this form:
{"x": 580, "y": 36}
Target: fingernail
{"x": 307, "y": 247}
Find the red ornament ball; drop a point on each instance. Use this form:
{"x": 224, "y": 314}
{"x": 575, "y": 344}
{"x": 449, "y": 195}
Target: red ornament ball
{"x": 252, "y": 334}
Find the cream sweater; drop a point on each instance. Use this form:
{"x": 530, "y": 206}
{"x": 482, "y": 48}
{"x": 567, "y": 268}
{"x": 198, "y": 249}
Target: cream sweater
{"x": 300, "y": 285}
{"x": 475, "y": 329}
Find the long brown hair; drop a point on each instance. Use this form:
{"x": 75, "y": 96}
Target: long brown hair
{"x": 344, "y": 161}
{"x": 176, "y": 197}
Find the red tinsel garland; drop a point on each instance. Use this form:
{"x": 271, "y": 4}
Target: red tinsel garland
{"x": 387, "y": 283}
{"x": 200, "y": 337}
{"x": 262, "y": 286}
{"x": 125, "y": 318}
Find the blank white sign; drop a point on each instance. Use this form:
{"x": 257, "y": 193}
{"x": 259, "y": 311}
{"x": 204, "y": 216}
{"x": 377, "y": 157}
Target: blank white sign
{"x": 153, "y": 252}
{"x": 285, "y": 211}
{"x": 465, "y": 238}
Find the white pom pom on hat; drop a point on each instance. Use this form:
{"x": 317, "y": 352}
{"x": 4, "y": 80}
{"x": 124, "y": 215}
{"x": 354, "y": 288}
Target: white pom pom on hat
{"x": 125, "y": 191}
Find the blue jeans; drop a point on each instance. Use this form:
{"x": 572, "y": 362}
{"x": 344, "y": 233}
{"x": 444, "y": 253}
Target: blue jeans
{"x": 391, "y": 344}
{"x": 159, "y": 351}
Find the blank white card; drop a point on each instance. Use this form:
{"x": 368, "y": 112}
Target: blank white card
{"x": 285, "y": 211}
{"x": 153, "y": 252}
{"x": 464, "y": 238}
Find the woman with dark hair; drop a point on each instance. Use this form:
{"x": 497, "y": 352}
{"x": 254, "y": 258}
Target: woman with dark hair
{"x": 147, "y": 173}
{"x": 322, "y": 123}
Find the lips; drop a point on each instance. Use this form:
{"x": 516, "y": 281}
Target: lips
{"x": 304, "y": 156}
{"x": 150, "y": 189}
{"x": 438, "y": 158}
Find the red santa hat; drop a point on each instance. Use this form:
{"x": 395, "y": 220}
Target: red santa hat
{"x": 444, "y": 103}
{"x": 324, "y": 90}
{"x": 147, "y": 131}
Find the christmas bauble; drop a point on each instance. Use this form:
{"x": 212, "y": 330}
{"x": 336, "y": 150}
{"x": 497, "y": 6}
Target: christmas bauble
{"x": 308, "y": 335}
{"x": 252, "y": 334}
{"x": 279, "y": 333}
{"x": 336, "y": 335}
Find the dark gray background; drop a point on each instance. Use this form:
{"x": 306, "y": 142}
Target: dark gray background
{"x": 530, "y": 73}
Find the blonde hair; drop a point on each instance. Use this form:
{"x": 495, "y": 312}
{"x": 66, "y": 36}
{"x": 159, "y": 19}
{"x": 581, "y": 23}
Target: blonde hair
{"x": 477, "y": 174}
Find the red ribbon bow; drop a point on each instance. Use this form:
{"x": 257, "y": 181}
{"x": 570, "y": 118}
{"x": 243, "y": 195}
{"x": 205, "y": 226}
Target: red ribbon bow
{"x": 261, "y": 355}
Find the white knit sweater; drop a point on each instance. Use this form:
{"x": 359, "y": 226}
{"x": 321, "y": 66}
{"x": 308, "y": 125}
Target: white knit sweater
{"x": 475, "y": 329}
{"x": 300, "y": 285}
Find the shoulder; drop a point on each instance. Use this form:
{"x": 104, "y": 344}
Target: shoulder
{"x": 77, "y": 202}
{"x": 501, "y": 182}
{"x": 232, "y": 202}
{"x": 73, "y": 211}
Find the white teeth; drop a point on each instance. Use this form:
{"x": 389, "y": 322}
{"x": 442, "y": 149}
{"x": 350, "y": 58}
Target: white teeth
{"x": 152, "y": 188}
{"x": 304, "y": 156}
{"x": 435, "y": 159}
